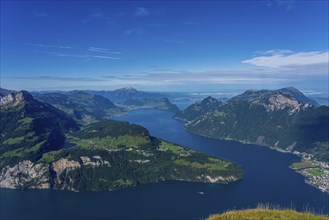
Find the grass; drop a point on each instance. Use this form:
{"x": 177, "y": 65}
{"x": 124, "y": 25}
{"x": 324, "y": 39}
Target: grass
{"x": 109, "y": 143}
{"x": 213, "y": 165}
{"x": 178, "y": 150}
{"x": 315, "y": 171}
{"x": 267, "y": 214}
{"x": 49, "y": 157}
{"x": 26, "y": 120}
{"x": 13, "y": 141}
{"x": 21, "y": 152}
{"x": 219, "y": 114}
{"x": 301, "y": 165}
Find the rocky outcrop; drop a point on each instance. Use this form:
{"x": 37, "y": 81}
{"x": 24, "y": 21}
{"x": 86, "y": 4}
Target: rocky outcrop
{"x": 14, "y": 99}
{"x": 43, "y": 176}
{"x": 25, "y": 175}
{"x": 280, "y": 102}
{"x": 95, "y": 161}
{"x": 64, "y": 164}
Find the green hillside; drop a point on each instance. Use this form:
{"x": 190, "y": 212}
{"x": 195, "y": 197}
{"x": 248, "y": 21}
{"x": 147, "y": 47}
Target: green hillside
{"x": 81, "y": 106}
{"x": 42, "y": 147}
{"x": 269, "y": 118}
{"x": 267, "y": 214}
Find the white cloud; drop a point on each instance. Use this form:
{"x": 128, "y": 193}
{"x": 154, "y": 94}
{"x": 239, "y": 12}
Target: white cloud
{"x": 84, "y": 56}
{"x": 52, "y": 46}
{"x": 286, "y": 58}
{"x": 102, "y": 50}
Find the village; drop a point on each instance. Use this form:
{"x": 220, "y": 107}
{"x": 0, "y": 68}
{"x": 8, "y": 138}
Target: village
{"x": 316, "y": 172}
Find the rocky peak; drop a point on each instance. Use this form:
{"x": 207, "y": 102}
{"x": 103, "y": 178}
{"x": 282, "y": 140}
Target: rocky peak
{"x": 64, "y": 164}
{"x": 15, "y": 98}
{"x": 281, "y": 101}
{"x": 4, "y": 92}
{"x": 210, "y": 101}
{"x": 298, "y": 95}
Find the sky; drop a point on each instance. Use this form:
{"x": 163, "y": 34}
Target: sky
{"x": 168, "y": 45}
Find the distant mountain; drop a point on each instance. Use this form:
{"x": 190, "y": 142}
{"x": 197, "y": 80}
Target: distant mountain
{"x": 42, "y": 147}
{"x": 30, "y": 127}
{"x": 122, "y": 95}
{"x": 289, "y": 91}
{"x": 4, "y": 92}
{"x": 198, "y": 109}
{"x": 80, "y": 105}
{"x": 161, "y": 103}
{"x": 272, "y": 118}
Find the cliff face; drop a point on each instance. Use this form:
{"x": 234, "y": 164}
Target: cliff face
{"x": 25, "y": 175}
{"x": 43, "y": 176}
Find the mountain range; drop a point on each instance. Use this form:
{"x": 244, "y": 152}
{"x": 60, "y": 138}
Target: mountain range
{"x": 284, "y": 119}
{"x": 42, "y": 146}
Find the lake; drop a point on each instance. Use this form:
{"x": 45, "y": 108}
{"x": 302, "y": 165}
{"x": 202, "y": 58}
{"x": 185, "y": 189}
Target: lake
{"x": 268, "y": 180}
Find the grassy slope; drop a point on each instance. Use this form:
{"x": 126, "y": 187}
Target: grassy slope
{"x": 135, "y": 158}
{"x": 266, "y": 214}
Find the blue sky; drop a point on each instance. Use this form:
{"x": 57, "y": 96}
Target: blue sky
{"x": 164, "y": 45}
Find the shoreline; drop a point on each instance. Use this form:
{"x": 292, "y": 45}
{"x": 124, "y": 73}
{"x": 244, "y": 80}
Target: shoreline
{"x": 321, "y": 183}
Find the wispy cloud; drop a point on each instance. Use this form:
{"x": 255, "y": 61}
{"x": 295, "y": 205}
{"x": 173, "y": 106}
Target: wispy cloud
{"x": 288, "y": 4}
{"x": 171, "y": 77}
{"x": 84, "y": 56}
{"x": 140, "y": 12}
{"x": 58, "y": 78}
{"x": 74, "y": 52}
{"x": 286, "y": 58}
{"x": 102, "y": 50}
{"x": 52, "y": 46}
{"x": 275, "y": 51}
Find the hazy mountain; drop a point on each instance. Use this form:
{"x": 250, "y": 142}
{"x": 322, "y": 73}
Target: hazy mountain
{"x": 124, "y": 94}
{"x": 80, "y": 105}
{"x": 161, "y": 103}
{"x": 198, "y": 109}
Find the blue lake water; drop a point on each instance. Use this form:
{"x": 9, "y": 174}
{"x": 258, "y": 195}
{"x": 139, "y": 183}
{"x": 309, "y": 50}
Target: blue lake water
{"x": 267, "y": 180}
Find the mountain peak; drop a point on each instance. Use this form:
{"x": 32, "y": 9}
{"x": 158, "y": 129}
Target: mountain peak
{"x": 209, "y": 100}
{"x": 15, "y": 98}
{"x": 261, "y": 95}
{"x": 298, "y": 95}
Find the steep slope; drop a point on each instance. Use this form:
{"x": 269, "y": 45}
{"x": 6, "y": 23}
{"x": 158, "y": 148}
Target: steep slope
{"x": 299, "y": 96}
{"x": 111, "y": 155}
{"x": 270, "y": 118}
{"x": 30, "y": 127}
{"x": 198, "y": 109}
{"x": 83, "y": 107}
